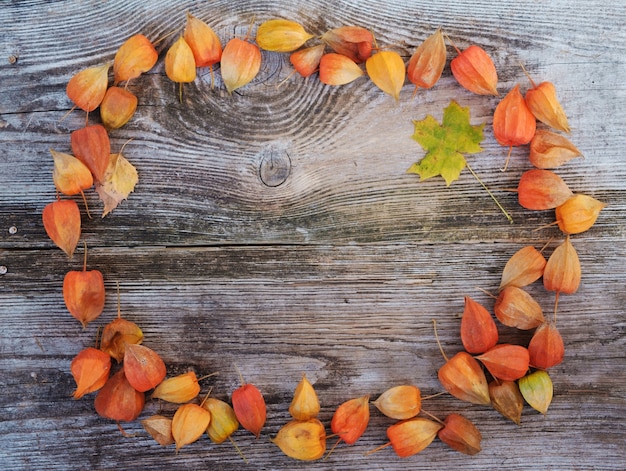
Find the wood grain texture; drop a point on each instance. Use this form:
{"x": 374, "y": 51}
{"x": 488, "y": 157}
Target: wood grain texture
{"x": 276, "y": 231}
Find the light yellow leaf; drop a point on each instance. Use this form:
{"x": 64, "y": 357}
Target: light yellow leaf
{"x": 119, "y": 181}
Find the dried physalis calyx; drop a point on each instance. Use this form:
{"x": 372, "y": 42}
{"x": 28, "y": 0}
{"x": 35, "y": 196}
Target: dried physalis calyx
{"x": 400, "y": 402}
{"x": 87, "y": 88}
{"x": 523, "y": 268}
{"x": 386, "y": 69}
{"x": 460, "y": 434}
{"x": 83, "y": 292}
{"x": 546, "y": 348}
{"x": 506, "y": 361}
{"x": 479, "y": 332}
{"x": 180, "y": 65}
{"x": 551, "y": 150}
{"x": 337, "y": 69}
{"x": 117, "y": 107}
{"x": 351, "y": 419}
{"x": 515, "y": 307}
{"x": 281, "y": 35}
{"x": 475, "y": 71}
{"x": 537, "y": 390}
{"x": 305, "y": 404}
{"x": 411, "y": 436}
{"x": 507, "y": 399}
{"x": 118, "y": 400}
{"x": 354, "y": 42}
{"x": 190, "y": 421}
{"x": 136, "y": 56}
{"x": 302, "y": 439}
{"x": 542, "y": 189}
{"x": 204, "y": 43}
{"x": 563, "y": 272}
{"x": 178, "y": 389}
{"x": 160, "y": 428}
{"x": 250, "y": 408}
{"x": 144, "y": 367}
{"x": 118, "y": 333}
{"x": 578, "y": 213}
{"x": 91, "y": 145}
{"x": 542, "y": 101}
{"x": 307, "y": 61}
{"x": 223, "y": 420}
{"x": 240, "y": 64}
{"x": 70, "y": 175}
{"x": 90, "y": 369}
{"x": 463, "y": 377}
{"x": 427, "y": 62}
{"x": 61, "y": 220}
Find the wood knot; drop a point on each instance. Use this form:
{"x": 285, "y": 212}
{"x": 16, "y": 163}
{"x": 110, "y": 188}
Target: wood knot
{"x": 275, "y": 167}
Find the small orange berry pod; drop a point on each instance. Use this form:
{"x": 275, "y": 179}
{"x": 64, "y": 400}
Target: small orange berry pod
{"x": 118, "y": 400}
{"x": 506, "y": 361}
{"x": 578, "y": 213}
{"x": 204, "y": 43}
{"x": 240, "y": 64}
{"x": 180, "y": 65}
{"x": 386, "y": 69}
{"x": 83, "y": 293}
{"x": 427, "y": 62}
{"x": 515, "y": 307}
{"x": 551, "y": 150}
{"x": 475, "y": 71}
{"x": 281, "y": 35}
{"x": 542, "y": 189}
{"x": 460, "y": 434}
{"x": 144, "y": 367}
{"x": 523, "y": 268}
{"x": 351, "y": 419}
{"x": 307, "y": 61}
{"x": 400, "y": 402}
{"x": 61, "y": 220}
{"x": 411, "y": 436}
{"x": 91, "y": 145}
{"x": 117, "y": 107}
{"x": 305, "y": 404}
{"x": 337, "y": 69}
{"x": 563, "y": 272}
{"x": 544, "y": 104}
{"x": 354, "y": 42}
{"x": 160, "y": 428}
{"x": 463, "y": 377}
{"x": 87, "y": 87}
{"x": 70, "y": 175}
{"x": 178, "y": 389}
{"x": 546, "y": 348}
{"x": 189, "y": 423}
{"x": 117, "y": 334}
{"x": 302, "y": 439}
{"x": 223, "y": 420}
{"x": 136, "y": 56}
{"x": 250, "y": 408}
{"x": 479, "y": 332}
{"x": 90, "y": 369}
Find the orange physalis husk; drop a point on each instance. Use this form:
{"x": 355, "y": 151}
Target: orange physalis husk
{"x": 144, "y": 367}
{"x": 70, "y": 175}
{"x": 506, "y": 362}
{"x": 117, "y": 334}
{"x": 241, "y": 62}
{"x": 523, "y": 268}
{"x": 578, "y": 213}
{"x": 83, "y": 292}
{"x": 178, "y": 389}
{"x": 507, "y": 399}
{"x": 551, "y": 150}
{"x": 411, "y": 436}
{"x": 351, "y": 419}
{"x": 180, "y": 65}
{"x": 546, "y": 348}
{"x": 118, "y": 400}
{"x": 61, "y": 220}
{"x": 542, "y": 189}
{"x": 90, "y": 369}
{"x": 223, "y": 420}
{"x": 400, "y": 402}
{"x": 302, "y": 440}
{"x": 513, "y": 123}
{"x": 563, "y": 272}
{"x": 204, "y": 43}
{"x": 87, "y": 87}
{"x": 463, "y": 377}
{"x": 478, "y": 329}
{"x": 281, "y": 35}
{"x": 515, "y": 307}
{"x": 160, "y": 428}
{"x": 307, "y": 61}
{"x": 543, "y": 103}
{"x": 305, "y": 404}
{"x": 386, "y": 69}
{"x": 537, "y": 390}
{"x": 460, "y": 434}
{"x": 117, "y": 107}
{"x": 250, "y": 408}
{"x": 91, "y": 146}
{"x": 190, "y": 421}
{"x": 475, "y": 71}
{"x": 354, "y": 42}
{"x": 427, "y": 62}
{"x": 337, "y": 69}
{"x": 136, "y": 56}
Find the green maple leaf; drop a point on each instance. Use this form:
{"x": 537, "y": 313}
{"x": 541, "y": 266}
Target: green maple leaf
{"x": 446, "y": 143}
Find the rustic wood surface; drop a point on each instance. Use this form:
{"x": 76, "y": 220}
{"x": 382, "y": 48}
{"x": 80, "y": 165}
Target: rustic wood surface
{"x": 276, "y": 231}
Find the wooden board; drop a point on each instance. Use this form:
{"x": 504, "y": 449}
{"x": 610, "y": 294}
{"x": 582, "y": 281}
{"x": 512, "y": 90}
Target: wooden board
{"x": 276, "y": 232}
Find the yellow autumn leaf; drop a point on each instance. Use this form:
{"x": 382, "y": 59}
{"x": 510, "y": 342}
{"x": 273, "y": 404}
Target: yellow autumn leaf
{"x": 119, "y": 181}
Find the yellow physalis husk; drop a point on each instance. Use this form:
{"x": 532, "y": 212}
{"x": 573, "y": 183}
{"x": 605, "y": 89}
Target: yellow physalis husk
{"x": 223, "y": 420}
{"x": 537, "y": 390}
{"x": 281, "y": 35}
{"x": 189, "y": 423}
{"x": 180, "y": 65}
{"x": 523, "y": 268}
{"x": 544, "y": 104}
{"x": 160, "y": 428}
{"x": 386, "y": 69}
{"x": 578, "y": 213}
{"x": 241, "y": 62}
{"x": 178, "y": 389}
{"x": 117, "y": 107}
{"x": 460, "y": 434}
{"x": 305, "y": 404}
{"x": 204, "y": 43}
{"x": 302, "y": 440}
{"x": 427, "y": 62}
{"x": 87, "y": 87}
{"x": 400, "y": 402}
{"x": 563, "y": 273}
{"x": 70, "y": 175}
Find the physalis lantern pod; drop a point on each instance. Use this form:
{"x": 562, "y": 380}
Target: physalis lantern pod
{"x": 475, "y": 71}
{"x": 542, "y": 189}
{"x": 83, "y": 292}
{"x": 400, "y": 402}
{"x": 337, "y": 69}
{"x": 523, "y": 268}
{"x": 117, "y": 334}
{"x": 204, "y": 43}
{"x": 240, "y": 64}
{"x": 427, "y": 62}
{"x": 543, "y": 103}
{"x": 305, "y": 404}
{"x": 351, "y": 419}
{"x": 190, "y": 421}
{"x": 70, "y": 175}
{"x": 506, "y": 361}
{"x": 546, "y": 348}
{"x": 61, "y": 220}
{"x": 136, "y": 56}
{"x": 537, "y": 390}
{"x": 578, "y": 213}
{"x": 551, "y": 150}
{"x": 302, "y": 440}
{"x": 160, "y": 428}
{"x": 87, "y": 88}
{"x": 515, "y": 307}
{"x": 223, "y": 420}
{"x": 250, "y": 408}
{"x": 563, "y": 272}
{"x": 117, "y": 107}
{"x": 386, "y": 69}
{"x": 281, "y": 35}
{"x": 463, "y": 377}
{"x": 178, "y": 389}
{"x": 354, "y": 42}
{"x": 479, "y": 332}
{"x": 180, "y": 65}
{"x": 144, "y": 367}
{"x": 409, "y": 437}
{"x": 307, "y": 61}
{"x": 91, "y": 145}
{"x": 460, "y": 434}
{"x": 507, "y": 399}
{"x": 118, "y": 400}
{"x": 90, "y": 369}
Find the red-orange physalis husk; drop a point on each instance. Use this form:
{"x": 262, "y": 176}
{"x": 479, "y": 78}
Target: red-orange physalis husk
{"x": 507, "y": 399}
{"x": 463, "y": 377}
{"x": 386, "y": 69}
{"x": 307, "y": 61}
{"x": 478, "y": 329}
{"x": 400, "y": 402}
{"x": 178, "y": 389}
{"x": 190, "y": 421}
{"x": 70, "y": 175}
{"x": 90, "y": 369}
{"x": 337, "y": 69}
{"x": 117, "y": 334}
{"x": 180, "y": 65}
{"x": 546, "y": 348}
{"x": 61, "y": 220}
{"x": 144, "y": 367}
{"x": 241, "y": 62}
{"x": 514, "y": 307}
{"x": 303, "y": 440}
{"x": 543, "y": 103}
{"x": 351, "y": 419}
{"x": 281, "y": 35}
{"x": 117, "y": 108}
{"x": 305, "y": 404}
{"x": 136, "y": 56}
{"x": 411, "y": 436}
{"x": 204, "y": 43}
{"x": 537, "y": 390}
{"x": 118, "y": 400}
{"x": 475, "y": 71}
{"x": 87, "y": 87}
{"x": 460, "y": 434}
{"x": 551, "y": 150}
{"x": 223, "y": 420}
{"x": 83, "y": 292}
{"x": 563, "y": 272}
{"x": 354, "y": 42}
{"x": 506, "y": 362}
{"x": 523, "y": 268}
{"x": 250, "y": 408}
{"x": 160, "y": 428}
{"x": 427, "y": 62}
{"x": 91, "y": 146}
{"x": 542, "y": 189}
{"x": 578, "y": 213}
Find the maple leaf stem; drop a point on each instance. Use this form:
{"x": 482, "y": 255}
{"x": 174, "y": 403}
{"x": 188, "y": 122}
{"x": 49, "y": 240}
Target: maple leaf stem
{"x": 504, "y": 211}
